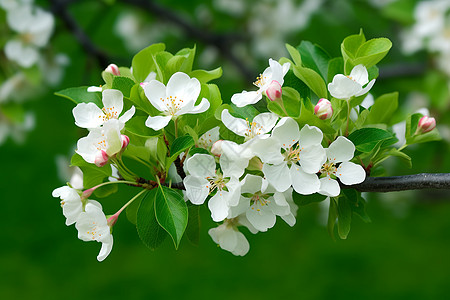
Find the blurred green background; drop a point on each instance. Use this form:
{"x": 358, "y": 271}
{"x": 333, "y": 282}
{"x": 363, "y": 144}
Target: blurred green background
{"x": 402, "y": 254}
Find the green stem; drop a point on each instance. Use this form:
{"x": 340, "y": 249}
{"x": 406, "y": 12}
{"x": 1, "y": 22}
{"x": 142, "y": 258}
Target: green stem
{"x": 87, "y": 193}
{"x": 122, "y": 168}
{"x": 402, "y": 147}
{"x": 113, "y": 219}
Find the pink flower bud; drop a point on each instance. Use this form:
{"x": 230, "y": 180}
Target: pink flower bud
{"x": 125, "y": 141}
{"x": 323, "y": 109}
{"x": 426, "y": 124}
{"x": 111, "y": 220}
{"x": 113, "y": 69}
{"x": 274, "y": 91}
{"x": 143, "y": 84}
{"x": 216, "y": 148}
{"x": 101, "y": 158}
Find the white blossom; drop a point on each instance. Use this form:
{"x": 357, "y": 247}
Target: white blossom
{"x": 261, "y": 124}
{"x": 344, "y": 87}
{"x": 229, "y": 238}
{"x": 70, "y": 202}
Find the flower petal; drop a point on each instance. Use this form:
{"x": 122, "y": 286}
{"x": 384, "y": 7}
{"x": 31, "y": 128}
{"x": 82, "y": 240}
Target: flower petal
{"x": 342, "y": 149}
{"x": 312, "y": 158}
{"x": 157, "y": 122}
{"x": 286, "y": 132}
{"x": 350, "y": 173}
{"x": 197, "y": 189}
{"x": 366, "y": 89}
{"x": 218, "y": 206}
{"x": 329, "y": 187}
{"x": 266, "y": 121}
{"x": 22, "y": 54}
{"x": 302, "y": 182}
{"x": 268, "y": 150}
{"x": 88, "y": 115}
{"x": 260, "y": 216}
{"x": 242, "y": 245}
{"x": 309, "y": 136}
{"x": 106, "y": 248}
{"x": 202, "y": 107}
{"x": 127, "y": 115}
{"x": 278, "y": 176}
{"x": 183, "y": 87}
{"x": 113, "y": 101}
{"x": 360, "y": 75}
{"x": 236, "y": 125}
{"x": 155, "y": 92}
{"x": 201, "y": 165}
{"x": 251, "y": 184}
{"x": 246, "y": 98}
{"x": 343, "y": 87}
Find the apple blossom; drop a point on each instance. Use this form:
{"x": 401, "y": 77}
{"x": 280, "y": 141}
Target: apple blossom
{"x": 177, "y": 99}
{"x": 209, "y": 138}
{"x": 426, "y": 124}
{"x": 344, "y": 87}
{"x": 274, "y": 91}
{"x": 261, "y": 124}
{"x": 338, "y": 165}
{"x": 229, "y": 238}
{"x": 92, "y": 225}
{"x": 323, "y": 109}
{"x": 275, "y": 72}
{"x": 71, "y": 203}
{"x": 89, "y": 115}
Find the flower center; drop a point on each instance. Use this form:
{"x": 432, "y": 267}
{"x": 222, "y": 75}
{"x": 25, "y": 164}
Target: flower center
{"x": 293, "y": 154}
{"x": 27, "y": 38}
{"x": 93, "y": 231}
{"x": 101, "y": 144}
{"x": 329, "y": 168}
{"x": 217, "y": 182}
{"x": 109, "y": 113}
{"x": 253, "y": 129}
{"x": 173, "y": 104}
{"x": 259, "y": 200}
{"x": 260, "y": 80}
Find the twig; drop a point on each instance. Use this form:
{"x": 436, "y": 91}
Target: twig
{"x": 400, "y": 70}
{"x": 403, "y": 183}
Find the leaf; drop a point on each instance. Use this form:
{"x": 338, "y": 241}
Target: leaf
{"x": 144, "y": 62}
{"x": 383, "y": 109}
{"x": 189, "y": 54}
{"x": 290, "y": 80}
{"x": 294, "y": 54}
{"x": 148, "y": 228}
{"x": 133, "y": 208}
{"x": 344, "y": 217}
{"x": 193, "y": 227}
{"x": 335, "y": 66}
{"x": 205, "y": 76}
{"x": 332, "y": 215}
{"x": 93, "y": 175}
{"x": 123, "y": 84}
{"x": 372, "y": 52}
{"x": 314, "y": 57}
{"x": 171, "y": 212}
{"x": 365, "y": 139}
{"x": 81, "y": 95}
{"x": 357, "y": 203}
{"x": 313, "y": 80}
{"x": 303, "y": 200}
{"x": 181, "y": 144}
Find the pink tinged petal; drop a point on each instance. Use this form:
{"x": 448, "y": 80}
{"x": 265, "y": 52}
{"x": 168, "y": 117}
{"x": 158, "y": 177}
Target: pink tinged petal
{"x": 342, "y": 149}
{"x": 155, "y": 92}
{"x": 329, "y": 187}
{"x": 267, "y": 121}
{"x": 106, "y": 248}
{"x": 343, "y": 87}
{"x": 127, "y": 115}
{"x": 218, "y": 206}
{"x": 236, "y": 125}
{"x": 309, "y": 136}
{"x": 113, "y": 69}
{"x": 302, "y": 182}
{"x": 184, "y": 87}
{"x": 366, "y": 89}
{"x": 113, "y": 101}
{"x": 360, "y": 75}
{"x": 273, "y": 91}
{"x": 101, "y": 158}
{"x": 251, "y": 184}
{"x": 286, "y": 132}
{"x": 242, "y": 245}
{"x": 350, "y": 173}
{"x": 246, "y": 98}
{"x": 197, "y": 189}
{"x": 278, "y": 176}
{"x": 312, "y": 158}
{"x": 201, "y": 165}
{"x": 125, "y": 141}
{"x": 88, "y": 115}
{"x": 260, "y": 216}
{"x": 157, "y": 122}
{"x": 268, "y": 150}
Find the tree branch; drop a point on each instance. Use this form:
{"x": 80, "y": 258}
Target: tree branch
{"x": 221, "y": 42}
{"x": 403, "y": 183}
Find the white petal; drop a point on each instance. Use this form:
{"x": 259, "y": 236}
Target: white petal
{"x": 157, "y": 122}
{"x": 240, "y": 208}
{"x": 184, "y": 87}
{"x": 111, "y": 131}
{"x": 289, "y": 219}
{"x": 279, "y": 205}
{"x": 218, "y": 206}
{"x": 242, "y": 245}
{"x": 234, "y": 192}
{"x": 236, "y": 125}
{"x": 202, "y": 107}
{"x": 209, "y": 138}
{"x": 278, "y": 176}
{"x": 20, "y": 18}
{"x": 113, "y": 101}
{"x": 342, "y": 149}
{"x": 88, "y": 115}
{"x": 268, "y": 150}
{"x": 350, "y": 173}
{"x": 155, "y": 92}
{"x": 366, "y": 89}
{"x": 197, "y": 189}
{"x": 286, "y": 67}
{"x": 251, "y": 184}
{"x": 343, "y": 87}
{"x": 246, "y": 98}
{"x": 329, "y": 187}
{"x": 201, "y": 165}
{"x": 234, "y": 159}
{"x": 127, "y": 115}
{"x": 24, "y": 55}
{"x": 260, "y": 216}
{"x": 312, "y": 158}
{"x": 277, "y": 72}
{"x": 106, "y": 248}
{"x": 360, "y": 75}
{"x": 302, "y": 182}
{"x": 93, "y": 89}
{"x": 266, "y": 121}
{"x": 286, "y": 132}
{"x": 310, "y": 135}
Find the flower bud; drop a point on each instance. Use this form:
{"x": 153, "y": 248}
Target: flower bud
{"x": 323, "y": 109}
{"x": 274, "y": 92}
{"x": 113, "y": 69}
{"x": 101, "y": 158}
{"x": 216, "y": 148}
{"x": 426, "y": 124}
{"x": 143, "y": 84}
{"x": 125, "y": 141}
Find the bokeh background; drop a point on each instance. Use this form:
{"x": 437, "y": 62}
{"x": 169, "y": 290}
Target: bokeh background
{"x": 402, "y": 254}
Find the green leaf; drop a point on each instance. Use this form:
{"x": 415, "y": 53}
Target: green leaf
{"x": 290, "y": 80}
{"x": 171, "y": 212}
{"x": 133, "y": 208}
{"x": 294, "y": 54}
{"x": 335, "y": 66}
{"x": 179, "y": 145}
{"x": 383, "y": 109}
{"x": 193, "y": 227}
{"x": 92, "y": 175}
{"x": 303, "y": 200}
{"x": 205, "y": 76}
{"x": 344, "y": 217}
{"x": 144, "y": 61}
{"x": 365, "y": 139}
{"x": 123, "y": 84}
{"x": 313, "y": 80}
{"x": 332, "y": 215}
{"x": 189, "y": 54}
{"x": 357, "y": 203}
{"x": 350, "y": 46}
{"x": 314, "y": 57}
{"x": 148, "y": 228}
{"x": 411, "y": 127}
{"x": 372, "y": 52}
{"x": 291, "y": 102}
{"x": 81, "y": 95}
